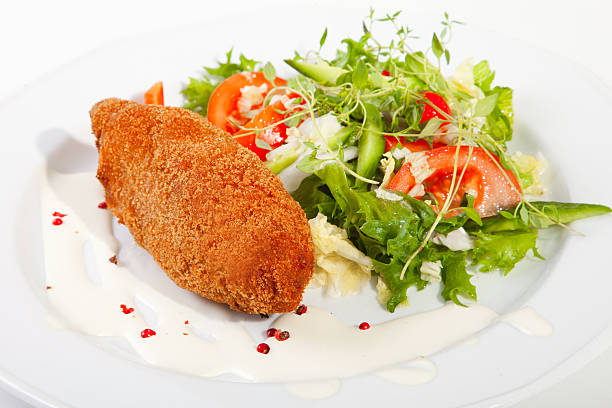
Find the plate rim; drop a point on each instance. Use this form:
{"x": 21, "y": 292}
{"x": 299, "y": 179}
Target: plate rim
{"x": 586, "y": 353}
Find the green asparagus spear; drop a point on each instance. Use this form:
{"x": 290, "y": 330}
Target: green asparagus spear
{"x": 321, "y": 72}
{"x": 371, "y": 145}
{"x": 555, "y": 212}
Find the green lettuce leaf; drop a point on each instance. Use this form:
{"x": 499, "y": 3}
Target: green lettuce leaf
{"x": 483, "y": 76}
{"x": 197, "y": 94}
{"x": 390, "y": 273}
{"x": 502, "y": 250}
{"x": 455, "y": 277}
{"x": 501, "y": 119}
{"x": 313, "y": 199}
{"x": 389, "y": 232}
{"x": 229, "y": 68}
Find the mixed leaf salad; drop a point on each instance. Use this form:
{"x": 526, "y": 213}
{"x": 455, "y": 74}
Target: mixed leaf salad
{"x": 413, "y": 166}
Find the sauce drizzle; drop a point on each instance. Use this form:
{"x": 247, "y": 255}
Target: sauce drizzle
{"x": 322, "y": 347}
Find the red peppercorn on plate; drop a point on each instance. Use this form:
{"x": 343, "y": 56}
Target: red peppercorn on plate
{"x": 67, "y": 261}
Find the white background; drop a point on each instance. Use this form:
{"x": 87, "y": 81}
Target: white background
{"x": 36, "y": 37}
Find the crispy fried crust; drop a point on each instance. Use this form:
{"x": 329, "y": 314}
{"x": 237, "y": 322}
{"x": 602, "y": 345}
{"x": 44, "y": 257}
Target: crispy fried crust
{"x": 213, "y": 216}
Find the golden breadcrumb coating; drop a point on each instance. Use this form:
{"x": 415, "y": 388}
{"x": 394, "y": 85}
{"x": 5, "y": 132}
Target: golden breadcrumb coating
{"x": 213, "y": 216}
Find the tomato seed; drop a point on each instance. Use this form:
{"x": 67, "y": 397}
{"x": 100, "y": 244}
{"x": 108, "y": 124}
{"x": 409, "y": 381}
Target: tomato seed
{"x": 147, "y": 333}
{"x": 263, "y": 348}
{"x": 301, "y": 310}
{"x": 126, "y": 310}
{"x": 281, "y": 335}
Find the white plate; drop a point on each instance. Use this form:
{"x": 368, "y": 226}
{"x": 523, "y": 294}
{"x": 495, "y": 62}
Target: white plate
{"x": 557, "y": 110}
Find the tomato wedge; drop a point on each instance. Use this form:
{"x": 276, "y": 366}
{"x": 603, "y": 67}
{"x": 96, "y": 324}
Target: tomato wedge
{"x": 419, "y": 145}
{"x": 155, "y": 94}
{"x": 274, "y": 136}
{"x": 431, "y": 112}
{"x": 493, "y": 187}
{"x": 233, "y": 98}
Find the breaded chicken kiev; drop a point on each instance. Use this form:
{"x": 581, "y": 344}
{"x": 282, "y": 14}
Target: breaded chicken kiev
{"x": 216, "y": 220}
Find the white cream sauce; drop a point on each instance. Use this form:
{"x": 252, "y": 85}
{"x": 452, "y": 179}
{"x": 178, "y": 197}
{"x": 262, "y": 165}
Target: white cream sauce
{"x": 321, "y": 346}
{"x": 416, "y": 372}
{"x": 314, "y": 389}
{"x": 529, "y": 322}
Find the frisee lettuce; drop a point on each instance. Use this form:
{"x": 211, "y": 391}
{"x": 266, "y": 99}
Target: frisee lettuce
{"x": 387, "y": 231}
{"x": 502, "y": 250}
{"x": 390, "y": 231}
{"x": 392, "y": 78}
{"x": 501, "y": 118}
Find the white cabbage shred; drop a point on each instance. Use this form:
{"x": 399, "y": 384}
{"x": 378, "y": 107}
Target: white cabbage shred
{"x": 341, "y": 269}
{"x": 531, "y": 169}
{"x": 430, "y": 271}
{"x": 457, "y": 240}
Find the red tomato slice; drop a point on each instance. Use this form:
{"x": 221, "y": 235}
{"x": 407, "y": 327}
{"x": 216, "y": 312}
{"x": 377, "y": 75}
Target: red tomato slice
{"x": 419, "y": 145}
{"x": 428, "y": 113}
{"x": 483, "y": 179}
{"x": 431, "y": 112}
{"x": 403, "y": 180}
{"x": 223, "y": 103}
{"x": 274, "y": 136}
